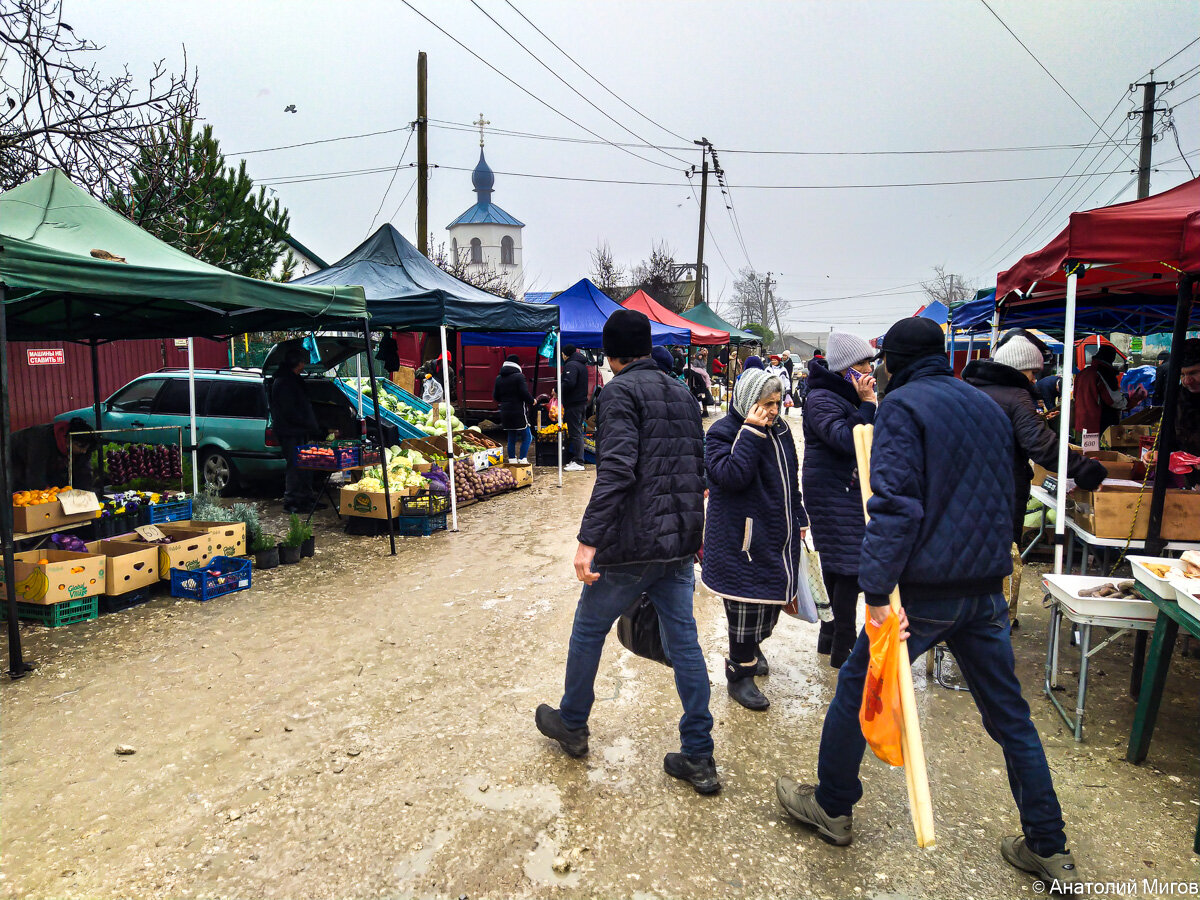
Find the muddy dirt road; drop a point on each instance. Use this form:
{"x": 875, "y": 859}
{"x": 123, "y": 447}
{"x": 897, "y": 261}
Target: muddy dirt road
{"x": 362, "y": 726}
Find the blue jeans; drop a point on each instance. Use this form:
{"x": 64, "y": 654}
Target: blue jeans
{"x": 671, "y": 587}
{"x": 526, "y": 437}
{"x": 977, "y": 631}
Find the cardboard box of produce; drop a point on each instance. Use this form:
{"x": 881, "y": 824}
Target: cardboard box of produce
{"x": 370, "y": 504}
{"x": 53, "y": 576}
{"x": 128, "y": 567}
{"x": 188, "y": 550}
{"x": 523, "y": 474}
{"x": 1119, "y": 465}
{"x": 1117, "y": 436}
{"x": 1114, "y": 512}
{"x": 84, "y": 505}
{"x": 229, "y": 538}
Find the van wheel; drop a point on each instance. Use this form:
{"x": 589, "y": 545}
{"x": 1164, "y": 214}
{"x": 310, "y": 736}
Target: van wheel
{"x": 217, "y": 470}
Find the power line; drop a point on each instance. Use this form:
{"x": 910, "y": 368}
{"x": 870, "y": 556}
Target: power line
{"x": 593, "y": 77}
{"x": 1193, "y": 41}
{"x": 344, "y": 137}
{"x": 528, "y": 92}
{"x": 570, "y": 86}
{"x": 383, "y": 199}
{"x": 407, "y": 194}
{"x": 1048, "y": 72}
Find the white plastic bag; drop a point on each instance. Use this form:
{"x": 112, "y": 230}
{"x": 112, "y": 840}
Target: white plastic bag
{"x": 812, "y": 601}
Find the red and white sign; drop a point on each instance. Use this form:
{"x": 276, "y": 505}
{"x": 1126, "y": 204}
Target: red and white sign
{"x": 55, "y": 357}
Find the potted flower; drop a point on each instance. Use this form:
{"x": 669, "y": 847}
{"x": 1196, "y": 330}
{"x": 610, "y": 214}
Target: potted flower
{"x": 308, "y": 546}
{"x": 289, "y": 547}
{"x": 266, "y": 551}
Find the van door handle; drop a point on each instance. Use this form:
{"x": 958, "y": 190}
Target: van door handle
{"x": 138, "y": 424}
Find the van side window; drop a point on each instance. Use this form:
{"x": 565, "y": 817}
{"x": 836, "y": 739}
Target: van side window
{"x": 174, "y": 400}
{"x": 237, "y": 400}
{"x": 137, "y": 397}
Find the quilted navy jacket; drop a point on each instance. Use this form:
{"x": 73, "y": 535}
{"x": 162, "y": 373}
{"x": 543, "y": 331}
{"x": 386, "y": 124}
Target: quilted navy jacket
{"x": 648, "y": 501}
{"x": 831, "y": 491}
{"x": 942, "y": 476}
{"x": 752, "y": 528}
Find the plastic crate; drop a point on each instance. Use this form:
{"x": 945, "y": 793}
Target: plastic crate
{"x": 123, "y": 601}
{"x": 345, "y": 456}
{"x": 110, "y": 526}
{"x": 420, "y": 526}
{"x": 205, "y": 584}
{"x": 55, "y": 615}
{"x": 427, "y": 504}
{"x": 159, "y": 513}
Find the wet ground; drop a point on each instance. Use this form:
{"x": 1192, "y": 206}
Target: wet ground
{"x": 361, "y": 725}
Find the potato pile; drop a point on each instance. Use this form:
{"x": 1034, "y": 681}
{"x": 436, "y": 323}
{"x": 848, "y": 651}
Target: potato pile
{"x": 496, "y": 480}
{"x": 467, "y": 483}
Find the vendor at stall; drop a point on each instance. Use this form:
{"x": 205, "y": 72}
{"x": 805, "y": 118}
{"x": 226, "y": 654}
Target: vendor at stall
{"x": 1099, "y": 401}
{"x": 1187, "y": 421}
{"x": 295, "y": 424}
{"x": 41, "y": 456}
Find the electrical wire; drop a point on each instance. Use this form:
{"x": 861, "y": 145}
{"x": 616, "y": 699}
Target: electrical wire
{"x": 1182, "y": 155}
{"x": 593, "y": 77}
{"x": 407, "y": 194}
{"x": 530, "y": 93}
{"x": 1192, "y": 42}
{"x": 383, "y": 199}
{"x": 570, "y": 86}
{"x": 344, "y": 137}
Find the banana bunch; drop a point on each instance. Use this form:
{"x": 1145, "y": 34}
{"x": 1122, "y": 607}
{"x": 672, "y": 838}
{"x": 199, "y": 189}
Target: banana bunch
{"x": 33, "y": 587}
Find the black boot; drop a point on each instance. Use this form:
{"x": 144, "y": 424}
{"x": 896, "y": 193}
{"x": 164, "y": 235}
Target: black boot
{"x": 825, "y": 639}
{"x": 763, "y": 668}
{"x": 742, "y": 687}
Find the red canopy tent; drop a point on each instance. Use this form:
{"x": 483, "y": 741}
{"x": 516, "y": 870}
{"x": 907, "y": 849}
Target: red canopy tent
{"x": 656, "y": 312}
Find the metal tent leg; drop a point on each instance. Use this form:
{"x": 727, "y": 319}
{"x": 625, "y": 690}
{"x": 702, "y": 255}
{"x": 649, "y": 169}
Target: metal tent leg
{"x": 17, "y": 665}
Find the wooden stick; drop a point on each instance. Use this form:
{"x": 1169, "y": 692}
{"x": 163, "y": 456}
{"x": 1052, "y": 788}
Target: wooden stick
{"x": 916, "y": 774}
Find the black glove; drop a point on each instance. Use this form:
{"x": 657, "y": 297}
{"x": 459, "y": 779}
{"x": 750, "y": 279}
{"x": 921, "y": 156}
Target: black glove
{"x": 1089, "y": 474}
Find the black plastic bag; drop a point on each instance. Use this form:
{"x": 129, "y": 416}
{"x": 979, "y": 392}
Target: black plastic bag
{"x": 638, "y": 631}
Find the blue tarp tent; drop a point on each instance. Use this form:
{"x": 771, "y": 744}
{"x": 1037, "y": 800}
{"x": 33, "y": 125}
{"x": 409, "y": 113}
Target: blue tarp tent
{"x": 583, "y": 310}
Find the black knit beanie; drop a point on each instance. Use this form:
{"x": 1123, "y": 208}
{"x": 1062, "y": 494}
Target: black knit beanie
{"x": 627, "y": 335}
{"x": 909, "y": 340}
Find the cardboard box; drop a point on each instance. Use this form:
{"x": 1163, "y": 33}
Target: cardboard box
{"x": 1119, "y": 465}
{"x": 63, "y": 576}
{"x": 128, "y": 567}
{"x": 370, "y": 504}
{"x": 523, "y": 474}
{"x": 1116, "y": 436}
{"x": 189, "y": 551}
{"x": 27, "y": 519}
{"x": 229, "y": 538}
{"x": 1114, "y": 512}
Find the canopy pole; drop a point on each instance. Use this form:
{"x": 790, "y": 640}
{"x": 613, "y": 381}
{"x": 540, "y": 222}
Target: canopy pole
{"x": 995, "y": 331}
{"x": 1064, "y": 421}
{"x": 17, "y": 666}
{"x": 562, "y": 410}
{"x": 95, "y": 347}
{"x": 192, "y": 416}
{"x": 358, "y": 384}
{"x": 449, "y": 434}
{"x": 970, "y": 346}
{"x": 1166, "y": 430}
{"x": 383, "y": 460}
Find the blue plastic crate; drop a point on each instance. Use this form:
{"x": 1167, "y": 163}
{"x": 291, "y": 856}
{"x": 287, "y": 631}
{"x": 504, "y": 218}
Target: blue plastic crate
{"x": 420, "y": 526}
{"x": 160, "y": 513}
{"x": 224, "y": 575}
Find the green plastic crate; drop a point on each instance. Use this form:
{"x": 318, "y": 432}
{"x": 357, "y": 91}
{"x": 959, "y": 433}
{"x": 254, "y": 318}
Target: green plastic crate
{"x": 55, "y": 615}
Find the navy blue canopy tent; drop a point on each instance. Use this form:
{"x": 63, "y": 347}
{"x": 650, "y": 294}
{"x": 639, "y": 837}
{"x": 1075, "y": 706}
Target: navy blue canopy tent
{"x": 583, "y": 309}
{"x": 1131, "y": 315}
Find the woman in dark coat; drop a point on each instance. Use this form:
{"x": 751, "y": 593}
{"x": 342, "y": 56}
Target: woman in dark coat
{"x": 839, "y": 398}
{"x": 753, "y": 526}
{"x": 511, "y": 394}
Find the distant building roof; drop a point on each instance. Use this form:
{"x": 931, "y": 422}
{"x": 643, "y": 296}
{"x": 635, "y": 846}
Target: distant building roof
{"x": 304, "y": 251}
{"x": 485, "y": 213}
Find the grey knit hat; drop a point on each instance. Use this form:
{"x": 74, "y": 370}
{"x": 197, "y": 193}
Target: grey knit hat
{"x": 1020, "y": 354}
{"x": 845, "y": 350}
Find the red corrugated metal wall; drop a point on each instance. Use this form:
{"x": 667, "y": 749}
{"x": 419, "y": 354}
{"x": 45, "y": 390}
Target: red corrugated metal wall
{"x": 38, "y": 393}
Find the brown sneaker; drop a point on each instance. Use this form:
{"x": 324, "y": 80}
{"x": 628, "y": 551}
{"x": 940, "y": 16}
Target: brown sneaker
{"x": 801, "y": 804}
{"x": 1054, "y": 871}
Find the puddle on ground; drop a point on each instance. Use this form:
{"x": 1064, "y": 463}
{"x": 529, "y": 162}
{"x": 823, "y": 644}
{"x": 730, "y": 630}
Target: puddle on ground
{"x": 539, "y": 865}
{"x": 417, "y": 863}
{"x": 539, "y": 798}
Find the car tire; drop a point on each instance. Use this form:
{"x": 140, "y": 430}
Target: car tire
{"x": 217, "y": 469}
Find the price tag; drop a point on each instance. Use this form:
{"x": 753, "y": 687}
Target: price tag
{"x": 74, "y": 502}
{"x": 1090, "y": 442}
{"x": 150, "y": 533}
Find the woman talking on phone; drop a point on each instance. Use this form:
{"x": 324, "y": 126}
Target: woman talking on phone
{"x": 753, "y": 526}
{"x": 839, "y": 398}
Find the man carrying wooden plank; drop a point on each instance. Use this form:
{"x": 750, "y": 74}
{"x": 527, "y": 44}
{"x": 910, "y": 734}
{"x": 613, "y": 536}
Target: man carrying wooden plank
{"x": 940, "y": 526}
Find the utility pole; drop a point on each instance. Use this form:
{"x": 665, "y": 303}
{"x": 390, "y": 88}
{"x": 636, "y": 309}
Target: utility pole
{"x": 1147, "y": 114}
{"x": 422, "y": 156}
{"x": 698, "y": 295}
{"x": 771, "y": 308}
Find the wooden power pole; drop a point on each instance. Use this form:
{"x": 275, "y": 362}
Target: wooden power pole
{"x": 1147, "y": 114}
{"x": 422, "y": 155}
{"x": 698, "y": 295}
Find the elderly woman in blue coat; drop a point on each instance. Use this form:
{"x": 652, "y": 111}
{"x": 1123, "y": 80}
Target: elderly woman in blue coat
{"x": 839, "y": 398}
{"x": 754, "y": 525}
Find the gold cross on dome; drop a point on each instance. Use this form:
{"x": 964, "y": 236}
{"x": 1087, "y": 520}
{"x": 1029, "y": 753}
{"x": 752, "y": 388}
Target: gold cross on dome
{"x": 481, "y": 121}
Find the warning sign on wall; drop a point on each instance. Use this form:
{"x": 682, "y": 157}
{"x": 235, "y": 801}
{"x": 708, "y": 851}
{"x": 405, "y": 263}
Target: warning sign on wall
{"x": 54, "y": 357}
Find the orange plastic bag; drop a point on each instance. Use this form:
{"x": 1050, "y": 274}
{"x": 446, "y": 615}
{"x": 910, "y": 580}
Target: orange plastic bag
{"x": 879, "y": 715}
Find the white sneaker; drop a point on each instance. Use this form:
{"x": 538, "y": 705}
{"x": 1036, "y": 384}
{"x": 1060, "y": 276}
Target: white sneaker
{"x": 573, "y": 467}
{"x": 523, "y": 461}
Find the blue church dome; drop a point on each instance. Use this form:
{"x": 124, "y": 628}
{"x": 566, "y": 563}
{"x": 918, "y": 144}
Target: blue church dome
{"x": 482, "y": 179}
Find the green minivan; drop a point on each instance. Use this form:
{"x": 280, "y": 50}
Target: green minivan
{"x": 233, "y": 427}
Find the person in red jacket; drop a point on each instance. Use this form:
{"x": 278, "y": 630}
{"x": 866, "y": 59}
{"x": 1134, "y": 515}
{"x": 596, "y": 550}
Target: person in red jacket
{"x": 1098, "y": 398}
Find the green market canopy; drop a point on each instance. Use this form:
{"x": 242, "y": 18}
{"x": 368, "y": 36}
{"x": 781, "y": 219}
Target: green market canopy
{"x": 72, "y": 269}
{"x": 702, "y": 314}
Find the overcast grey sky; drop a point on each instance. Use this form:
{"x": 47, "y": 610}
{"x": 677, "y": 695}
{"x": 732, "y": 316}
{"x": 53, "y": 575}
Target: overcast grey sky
{"x": 820, "y": 77}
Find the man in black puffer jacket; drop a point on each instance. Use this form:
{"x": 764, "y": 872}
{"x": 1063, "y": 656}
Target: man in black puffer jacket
{"x": 1008, "y": 378}
{"x": 574, "y": 404}
{"x": 641, "y": 531}
{"x": 940, "y": 528}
